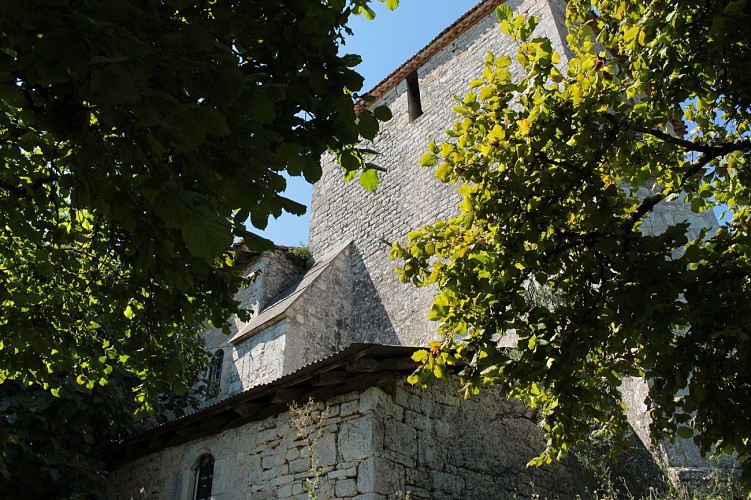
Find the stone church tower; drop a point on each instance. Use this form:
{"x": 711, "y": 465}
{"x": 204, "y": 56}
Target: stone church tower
{"x": 420, "y": 94}
{"x": 342, "y": 330}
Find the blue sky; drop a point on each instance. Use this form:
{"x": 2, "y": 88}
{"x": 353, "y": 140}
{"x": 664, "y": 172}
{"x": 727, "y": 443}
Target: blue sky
{"x": 384, "y": 44}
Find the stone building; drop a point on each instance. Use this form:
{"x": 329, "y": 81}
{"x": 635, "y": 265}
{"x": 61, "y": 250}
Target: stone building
{"x": 341, "y": 331}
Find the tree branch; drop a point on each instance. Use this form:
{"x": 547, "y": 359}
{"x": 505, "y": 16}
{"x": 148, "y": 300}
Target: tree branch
{"x": 722, "y": 149}
{"x": 648, "y": 204}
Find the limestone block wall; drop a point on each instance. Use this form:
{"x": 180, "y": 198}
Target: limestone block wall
{"x": 306, "y": 331}
{"x": 367, "y": 445}
{"x": 274, "y": 271}
{"x": 439, "y": 445}
{"x": 319, "y": 319}
{"x": 676, "y": 211}
{"x": 259, "y": 359}
{"x": 682, "y": 457}
{"x": 408, "y": 196}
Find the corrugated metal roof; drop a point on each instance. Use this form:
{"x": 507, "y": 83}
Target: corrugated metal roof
{"x": 259, "y": 394}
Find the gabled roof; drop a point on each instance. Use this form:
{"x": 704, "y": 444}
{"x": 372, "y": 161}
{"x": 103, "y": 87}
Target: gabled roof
{"x": 461, "y": 25}
{"x": 281, "y": 304}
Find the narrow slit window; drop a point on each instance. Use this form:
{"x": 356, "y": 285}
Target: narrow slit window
{"x": 215, "y": 373}
{"x": 414, "y": 104}
{"x": 203, "y": 478}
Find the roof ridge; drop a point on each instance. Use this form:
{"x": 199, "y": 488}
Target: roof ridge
{"x": 448, "y": 35}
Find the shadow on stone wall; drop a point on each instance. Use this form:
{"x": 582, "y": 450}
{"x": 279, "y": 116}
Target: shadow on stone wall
{"x": 634, "y": 474}
{"x": 369, "y": 321}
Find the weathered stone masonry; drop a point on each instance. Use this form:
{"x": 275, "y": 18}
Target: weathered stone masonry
{"x": 372, "y": 445}
{"x": 409, "y": 196}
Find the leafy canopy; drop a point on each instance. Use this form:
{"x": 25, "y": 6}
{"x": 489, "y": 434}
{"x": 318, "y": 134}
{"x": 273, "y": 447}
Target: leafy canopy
{"x": 562, "y": 171}
{"x": 137, "y": 138}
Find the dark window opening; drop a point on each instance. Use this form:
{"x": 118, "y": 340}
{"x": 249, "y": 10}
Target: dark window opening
{"x": 413, "y": 96}
{"x": 204, "y": 478}
{"x": 215, "y": 373}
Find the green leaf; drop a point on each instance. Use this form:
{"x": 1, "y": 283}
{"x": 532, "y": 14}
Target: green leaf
{"x": 369, "y": 179}
{"x": 631, "y": 34}
{"x": 213, "y": 121}
{"x": 348, "y": 176}
{"x": 685, "y": 432}
{"x": 367, "y": 125}
{"x": 382, "y": 113}
{"x": 207, "y": 236}
{"x": 261, "y": 107}
{"x": 351, "y": 60}
{"x": 502, "y": 61}
{"x": 366, "y": 11}
{"x": 420, "y": 356}
{"x": 504, "y": 12}
{"x": 182, "y": 128}
{"x": 443, "y": 172}
{"x": 179, "y": 388}
{"x": 112, "y": 86}
{"x": 292, "y": 206}
{"x": 350, "y": 160}
{"x": 737, "y": 8}
{"x": 428, "y": 160}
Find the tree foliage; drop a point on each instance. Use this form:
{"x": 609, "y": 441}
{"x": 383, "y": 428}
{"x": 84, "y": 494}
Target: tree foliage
{"x": 53, "y": 438}
{"x": 137, "y": 138}
{"x": 559, "y": 170}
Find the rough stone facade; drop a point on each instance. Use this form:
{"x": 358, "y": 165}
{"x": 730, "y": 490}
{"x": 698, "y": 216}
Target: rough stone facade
{"x": 320, "y": 314}
{"x": 259, "y": 359}
{"x": 681, "y": 458}
{"x": 367, "y": 445}
{"x": 269, "y": 273}
{"x": 408, "y": 196}
{"x": 297, "y": 317}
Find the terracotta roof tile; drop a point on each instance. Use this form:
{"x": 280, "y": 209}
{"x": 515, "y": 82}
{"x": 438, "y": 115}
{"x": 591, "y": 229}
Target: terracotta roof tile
{"x": 461, "y": 25}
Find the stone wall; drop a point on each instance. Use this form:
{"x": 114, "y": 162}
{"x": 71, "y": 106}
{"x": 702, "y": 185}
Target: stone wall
{"x": 273, "y": 271}
{"x": 367, "y": 445}
{"x": 308, "y": 329}
{"x": 408, "y": 196}
{"x": 259, "y": 359}
{"x": 439, "y": 445}
{"x": 681, "y": 458}
{"x": 319, "y": 318}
